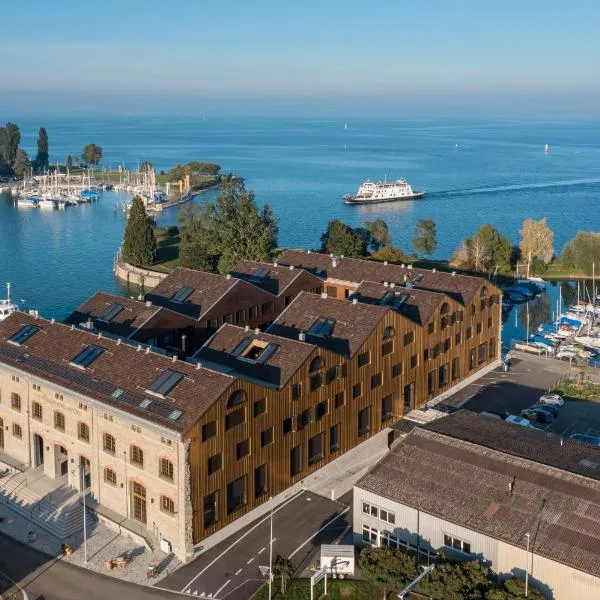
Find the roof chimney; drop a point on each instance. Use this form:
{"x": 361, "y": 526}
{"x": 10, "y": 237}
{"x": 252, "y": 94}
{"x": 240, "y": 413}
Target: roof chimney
{"x": 99, "y": 334}
{"x": 308, "y": 252}
{"x": 174, "y": 358}
{"x": 403, "y": 265}
{"x": 140, "y": 297}
{"x": 385, "y": 262}
{"x": 301, "y": 336}
{"x": 139, "y": 347}
{"x": 52, "y": 320}
{"x": 511, "y": 485}
{"x": 409, "y": 267}
{"x": 323, "y": 294}
{"x": 228, "y": 276}
{"x": 147, "y": 349}
{"x": 342, "y": 256}
{"x": 453, "y": 273}
{"x": 334, "y": 262}
{"x": 354, "y": 300}
{"x": 385, "y": 284}
{"x": 392, "y": 285}
{"x": 118, "y": 341}
{"x": 331, "y": 255}
{"x": 257, "y": 330}
{"x": 198, "y": 365}
{"x": 275, "y": 264}
{"x": 405, "y": 278}
{"x": 148, "y": 303}
{"x": 291, "y": 267}
{"x": 72, "y": 327}
{"x": 247, "y": 328}
{"x": 433, "y": 270}
{"x": 561, "y": 441}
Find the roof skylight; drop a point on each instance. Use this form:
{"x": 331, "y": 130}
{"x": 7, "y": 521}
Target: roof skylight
{"x": 23, "y": 334}
{"x": 111, "y": 312}
{"x": 165, "y": 382}
{"x": 87, "y": 356}
{"x": 322, "y": 327}
{"x": 182, "y": 294}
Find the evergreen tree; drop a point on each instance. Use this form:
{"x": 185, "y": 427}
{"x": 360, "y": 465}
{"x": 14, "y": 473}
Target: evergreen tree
{"x": 425, "y": 238}
{"x": 41, "y": 160}
{"x": 10, "y": 138}
{"x": 387, "y": 568}
{"x": 21, "y": 165}
{"x": 380, "y": 234}
{"x": 139, "y": 243}
{"x": 283, "y": 569}
{"x": 91, "y": 154}
{"x": 456, "y": 580}
{"x": 193, "y": 247}
{"x": 343, "y": 240}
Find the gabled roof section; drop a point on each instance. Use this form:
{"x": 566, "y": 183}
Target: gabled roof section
{"x": 416, "y": 305}
{"x": 495, "y": 493}
{"x": 101, "y": 311}
{"x": 460, "y": 287}
{"x": 353, "y": 323}
{"x": 239, "y": 352}
{"x": 113, "y": 373}
{"x": 272, "y": 278}
{"x": 197, "y": 291}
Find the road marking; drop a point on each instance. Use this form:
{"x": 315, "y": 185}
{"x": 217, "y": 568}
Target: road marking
{"x": 17, "y": 585}
{"x": 249, "y": 561}
{"x": 238, "y": 571}
{"x": 222, "y": 587}
{"x": 261, "y": 550}
{"x": 317, "y": 532}
{"x": 241, "y": 538}
{"x": 273, "y": 540}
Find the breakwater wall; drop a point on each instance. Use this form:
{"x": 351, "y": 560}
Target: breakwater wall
{"x": 143, "y": 277}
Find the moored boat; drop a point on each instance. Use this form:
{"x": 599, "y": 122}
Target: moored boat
{"x": 7, "y": 306}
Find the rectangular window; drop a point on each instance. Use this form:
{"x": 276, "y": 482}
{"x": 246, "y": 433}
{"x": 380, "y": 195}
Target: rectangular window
{"x": 235, "y": 418}
{"x": 214, "y": 463}
{"x": 431, "y": 382}
{"x": 409, "y": 338}
{"x": 211, "y": 505}
{"x": 414, "y": 361}
{"x": 458, "y": 316}
{"x": 443, "y": 375}
{"x": 331, "y": 291}
{"x": 266, "y": 437}
{"x": 165, "y": 382}
{"x": 17, "y": 431}
{"x": 260, "y": 407}
{"x": 369, "y": 535}
{"x": 296, "y": 391}
{"x": 472, "y": 359}
{"x": 455, "y": 368}
{"x": 472, "y": 309}
{"x": 426, "y": 355}
{"x": 136, "y": 456}
{"x": 240, "y": 315}
{"x": 304, "y": 418}
{"x": 167, "y": 505}
{"x": 364, "y": 421}
{"x": 492, "y": 348}
{"x": 165, "y": 469}
{"x": 83, "y": 432}
{"x": 489, "y": 322}
{"x": 182, "y": 294}
{"x": 242, "y": 449}
{"x": 340, "y": 399}
{"x": 397, "y": 370}
{"x": 430, "y": 328}
{"x": 23, "y": 335}
{"x": 387, "y": 348}
{"x": 237, "y": 493}
{"x": 87, "y": 356}
{"x": 436, "y": 350}
{"x": 109, "y": 444}
{"x": 316, "y": 381}
{"x": 446, "y": 344}
{"x": 481, "y": 353}
{"x": 15, "y": 401}
{"x": 479, "y": 327}
{"x": 36, "y": 411}
{"x": 321, "y": 410}
{"x": 59, "y": 420}
{"x": 267, "y": 307}
{"x": 334, "y": 437}
{"x": 387, "y": 407}
{"x": 409, "y": 397}
{"x": 356, "y": 390}
{"x": 110, "y": 476}
{"x": 469, "y": 332}
{"x": 287, "y": 425}
{"x": 209, "y": 430}
{"x": 457, "y": 544}
{"x": 260, "y": 481}
{"x": 457, "y": 338}
{"x": 296, "y": 460}
{"x": 315, "y": 449}
{"x": 364, "y": 359}
{"x": 376, "y": 380}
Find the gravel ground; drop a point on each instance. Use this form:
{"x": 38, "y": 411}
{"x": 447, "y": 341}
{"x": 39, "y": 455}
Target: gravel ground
{"x": 102, "y": 545}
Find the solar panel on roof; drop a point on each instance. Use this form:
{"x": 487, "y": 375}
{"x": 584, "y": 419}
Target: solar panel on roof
{"x": 87, "y": 356}
{"x": 111, "y": 312}
{"x": 182, "y": 294}
{"x": 23, "y": 334}
{"x": 165, "y": 382}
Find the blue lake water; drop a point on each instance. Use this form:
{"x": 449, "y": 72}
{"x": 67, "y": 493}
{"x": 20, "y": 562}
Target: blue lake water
{"x": 474, "y": 171}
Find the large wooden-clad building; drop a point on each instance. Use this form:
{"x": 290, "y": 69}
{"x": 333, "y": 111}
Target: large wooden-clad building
{"x": 254, "y": 411}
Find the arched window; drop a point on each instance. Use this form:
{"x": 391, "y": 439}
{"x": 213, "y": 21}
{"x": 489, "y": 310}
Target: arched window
{"x": 238, "y": 397}
{"x": 316, "y": 365}
{"x": 444, "y": 318}
{"x": 483, "y": 291}
{"x": 445, "y": 308}
{"x": 389, "y": 333}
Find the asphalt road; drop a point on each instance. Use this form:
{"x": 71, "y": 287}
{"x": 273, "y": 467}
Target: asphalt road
{"x": 26, "y": 574}
{"x": 230, "y": 570}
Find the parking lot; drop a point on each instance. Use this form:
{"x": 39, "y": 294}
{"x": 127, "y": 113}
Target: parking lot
{"x": 520, "y": 388}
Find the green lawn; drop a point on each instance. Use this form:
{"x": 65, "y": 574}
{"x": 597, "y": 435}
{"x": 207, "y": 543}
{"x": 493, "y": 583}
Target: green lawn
{"x": 575, "y": 391}
{"x": 168, "y": 251}
{"x": 299, "y": 589}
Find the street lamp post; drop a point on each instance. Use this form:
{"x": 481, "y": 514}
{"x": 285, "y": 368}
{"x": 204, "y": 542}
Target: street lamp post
{"x": 527, "y": 536}
{"x": 271, "y": 548}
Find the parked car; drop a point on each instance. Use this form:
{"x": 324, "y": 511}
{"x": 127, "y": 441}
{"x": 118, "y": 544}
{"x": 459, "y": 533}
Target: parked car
{"x": 516, "y": 420}
{"x": 492, "y": 415}
{"x": 538, "y": 415}
{"x": 555, "y": 399}
{"x": 588, "y": 439}
{"x": 554, "y": 409}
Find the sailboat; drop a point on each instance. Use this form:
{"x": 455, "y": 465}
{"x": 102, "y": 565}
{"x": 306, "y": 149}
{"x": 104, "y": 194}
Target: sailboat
{"x": 546, "y": 149}
{"x": 345, "y": 125}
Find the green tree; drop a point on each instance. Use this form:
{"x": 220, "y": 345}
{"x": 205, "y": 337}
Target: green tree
{"x": 5, "y": 168}
{"x": 194, "y": 242}
{"x": 10, "y": 138}
{"x": 41, "y": 160}
{"x": 387, "y": 568}
{"x": 283, "y": 569}
{"x": 70, "y": 162}
{"x": 425, "y": 238}
{"x": 139, "y": 243}
{"x": 379, "y": 234}
{"x": 91, "y": 154}
{"x": 343, "y": 240}
{"x": 456, "y": 580}
{"x": 21, "y": 165}
{"x": 513, "y": 589}
{"x": 393, "y": 255}
{"x": 583, "y": 252}
{"x": 537, "y": 239}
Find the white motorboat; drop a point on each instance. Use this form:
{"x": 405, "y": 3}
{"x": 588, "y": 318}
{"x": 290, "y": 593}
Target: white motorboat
{"x": 7, "y": 306}
{"x": 47, "y": 203}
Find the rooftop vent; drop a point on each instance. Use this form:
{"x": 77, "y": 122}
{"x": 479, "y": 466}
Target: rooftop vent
{"x": 385, "y": 284}
{"x": 147, "y": 349}
{"x": 291, "y": 267}
{"x": 323, "y": 294}
{"x": 174, "y": 358}
{"x": 385, "y": 262}
{"x": 247, "y": 328}
{"x": 118, "y": 341}
{"x": 148, "y": 303}
{"x": 433, "y": 270}
{"x": 139, "y": 347}
{"x": 405, "y": 278}
{"x": 392, "y": 285}
{"x": 302, "y": 336}
{"x": 453, "y": 273}
{"x": 72, "y": 327}
{"x": 52, "y": 320}
{"x": 409, "y": 267}
{"x": 228, "y": 276}
{"x": 140, "y": 297}
{"x": 331, "y": 255}
{"x": 403, "y": 265}
{"x": 257, "y": 330}
{"x": 334, "y": 262}
{"x": 198, "y": 365}
{"x": 275, "y": 264}
{"x": 99, "y": 334}
{"x": 308, "y": 252}
{"x": 354, "y": 300}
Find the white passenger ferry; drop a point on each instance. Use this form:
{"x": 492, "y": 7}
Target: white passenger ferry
{"x": 373, "y": 192}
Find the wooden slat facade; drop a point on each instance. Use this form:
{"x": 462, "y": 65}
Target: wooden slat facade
{"x": 485, "y": 310}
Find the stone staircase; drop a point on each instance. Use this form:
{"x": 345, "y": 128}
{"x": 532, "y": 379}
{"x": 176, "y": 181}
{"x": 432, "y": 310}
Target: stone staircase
{"x": 47, "y": 503}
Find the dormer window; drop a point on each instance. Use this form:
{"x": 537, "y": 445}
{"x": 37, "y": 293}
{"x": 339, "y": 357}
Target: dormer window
{"x": 322, "y": 327}
{"x": 182, "y": 294}
{"x": 259, "y": 351}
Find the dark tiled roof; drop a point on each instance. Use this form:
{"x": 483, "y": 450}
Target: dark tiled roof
{"x": 207, "y": 288}
{"x": 47, "y": 354}
{"x": 543, "y": 447}
{"x": 287, "y": 359}
{"x": 469, "y": 485}
{"x": 275, "y": 280}
{"x": 459, "y": 287}
{"x": 124, "y": 324}
{"x": 418, "y": 306}
{"x": 353, "y": 322}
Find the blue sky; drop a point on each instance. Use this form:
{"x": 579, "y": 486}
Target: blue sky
{"x": 204, "y": 56}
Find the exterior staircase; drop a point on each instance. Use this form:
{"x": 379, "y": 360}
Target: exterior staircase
{"x": 47, "y": 503}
